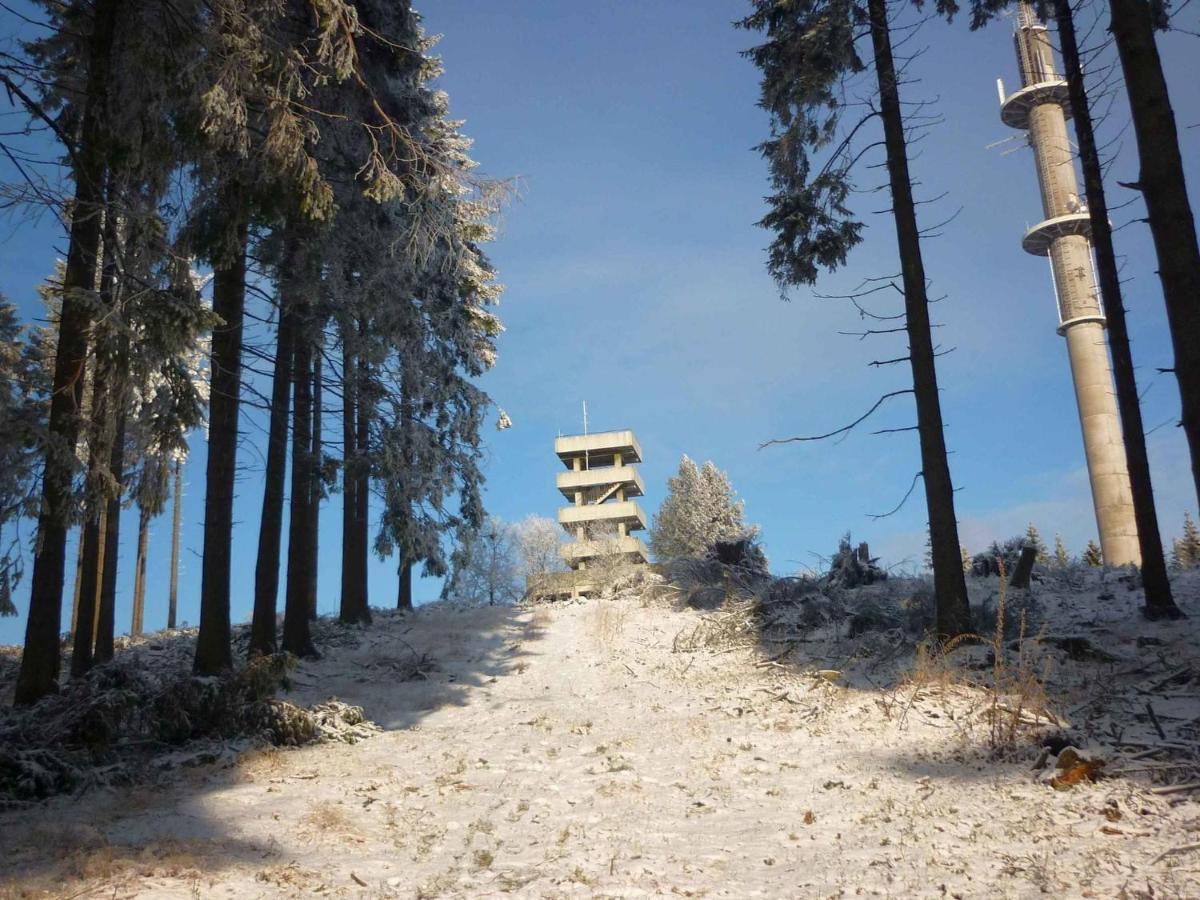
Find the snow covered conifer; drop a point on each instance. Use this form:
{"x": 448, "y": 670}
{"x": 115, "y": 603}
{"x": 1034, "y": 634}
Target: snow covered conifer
{"x": 1185, "y": 551}
{"x": 22, "y": 396}
{"x": 1061, "y": 558}
{"x": 700, "y": 508}
{"x": 1092, "y": 555}
{"x": 1034, "y": 538}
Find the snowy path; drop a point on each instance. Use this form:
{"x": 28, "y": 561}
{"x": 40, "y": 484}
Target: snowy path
{"x": 569, "y": 752}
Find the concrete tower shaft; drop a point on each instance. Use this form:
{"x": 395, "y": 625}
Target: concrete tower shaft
{"x": 1041, "y": 107}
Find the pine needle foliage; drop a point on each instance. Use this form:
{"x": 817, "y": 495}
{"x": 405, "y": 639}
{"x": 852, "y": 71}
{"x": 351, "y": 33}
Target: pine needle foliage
{"x": 1062, "y": 559}
{"x": 1185, "y": 552}
{"x": 1034, "y": 539}
{"x": 812, "y": 49}
{"x": 700, "y": 509}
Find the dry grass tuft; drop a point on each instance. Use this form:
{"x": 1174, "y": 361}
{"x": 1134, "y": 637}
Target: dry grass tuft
{"x": 1014, "y": 693}
{"x": 607, "y": 621}
{"x": 1017, "y": 694}
{"x": 267, "y": 760}
{"x": 328, "y": 817}
{"x": 90, "y": 865}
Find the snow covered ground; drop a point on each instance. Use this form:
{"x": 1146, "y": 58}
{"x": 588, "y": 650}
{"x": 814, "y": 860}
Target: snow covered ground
{"x": 577, "y": 750}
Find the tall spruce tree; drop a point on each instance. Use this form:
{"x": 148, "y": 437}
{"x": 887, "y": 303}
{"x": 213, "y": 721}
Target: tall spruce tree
{"x": 40, "y": 658}
{"x": 1163, "y": 188}
{"x": 23, "y": 400}
{"x": 812, "y": 47}
{"x": 1159, "y": 602}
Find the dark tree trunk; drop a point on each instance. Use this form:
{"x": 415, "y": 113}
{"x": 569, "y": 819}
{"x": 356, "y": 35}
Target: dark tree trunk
{"x": 348, "y": 609}
{"x": 112, "y": 535}
{"x": 1159, "y": 603}
{"x": 354, "y": 596}
{"x": 176, "y": 523}
{"x": 297, "y": 637}
{"x": 82, "y": 649}
{"x": 139, "y": 573}
{"x": 270, "y": 534}
{"x": 315, "y": 485}
{"x": 78, "y": 586}
{"x": 1023, "y": 571}
{"x": 40, "y": 659}
{"x": 213, "y": 652}
{"x": 100, "y": 451}
{"x": 404, "y": 598}
{"x": 112, "y": 377}
{"x": 953, "y": 611}
{"x": 1161, "y": 182}
{"x": 363, "y": 477}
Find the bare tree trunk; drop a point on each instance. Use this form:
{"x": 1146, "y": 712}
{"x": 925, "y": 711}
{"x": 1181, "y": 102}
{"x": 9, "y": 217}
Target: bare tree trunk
{"x": 354, "y": 600}
{"x": 1161, "y": 181}
{"x": 100, "y": 451}
{"x": 404, "y": 598}
{"x": 297, "y": 636}
{"x": 363, "y": 492}
{"x": 270, "y": 534}
{"x": 176, "y": 522}
{"x": 99, "y": 580}
{"x": 348, "y": 608}
{"x": 112, "y": 534}
{"x": 40, "y": 659}
{"x": 112, "y": 376}
{"x": 1159, "y": 603}
{"x": 85, "y": 628}
{"x": 139, "y": 573}
{"x": 78, "y": 585}
{"x": 953, "y": 611}
{"x": 315, "y": 485}
{"x": 213, "y": 652}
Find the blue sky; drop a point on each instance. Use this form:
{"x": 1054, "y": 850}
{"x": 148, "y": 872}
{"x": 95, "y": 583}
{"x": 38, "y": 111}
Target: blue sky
{"x": 636, "y": 281}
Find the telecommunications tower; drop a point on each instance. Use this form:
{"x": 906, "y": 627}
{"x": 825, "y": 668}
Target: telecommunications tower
{"x": 1041, "y": 107}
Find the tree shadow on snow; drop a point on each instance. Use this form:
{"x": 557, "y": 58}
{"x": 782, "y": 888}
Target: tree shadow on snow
{"x": 163, "y": 831}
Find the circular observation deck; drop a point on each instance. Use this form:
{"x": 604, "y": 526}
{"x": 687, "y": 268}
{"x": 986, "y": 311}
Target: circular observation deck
{"x": 1038, "y": 239}
{"x": 1079, "y": 320}
{"x": 1017, "y": 106}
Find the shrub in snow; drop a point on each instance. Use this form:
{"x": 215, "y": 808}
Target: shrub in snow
{"x": 1004, "y": 553}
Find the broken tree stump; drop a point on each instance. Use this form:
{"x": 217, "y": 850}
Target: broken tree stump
{"x": 1024, "y": 569}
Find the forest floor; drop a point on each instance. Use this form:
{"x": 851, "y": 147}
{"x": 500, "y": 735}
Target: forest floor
{"x": 577, "y": 750}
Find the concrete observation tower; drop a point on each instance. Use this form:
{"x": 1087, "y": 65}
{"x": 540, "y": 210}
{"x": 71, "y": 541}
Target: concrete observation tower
{"x": 1041, "y": 107}
{"x": 601, "y": 481}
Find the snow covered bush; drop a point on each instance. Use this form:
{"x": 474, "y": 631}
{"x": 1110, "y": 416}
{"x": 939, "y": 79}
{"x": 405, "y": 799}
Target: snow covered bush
{"x": 539, "y": 540}
{"x": 1004, "y": 553}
